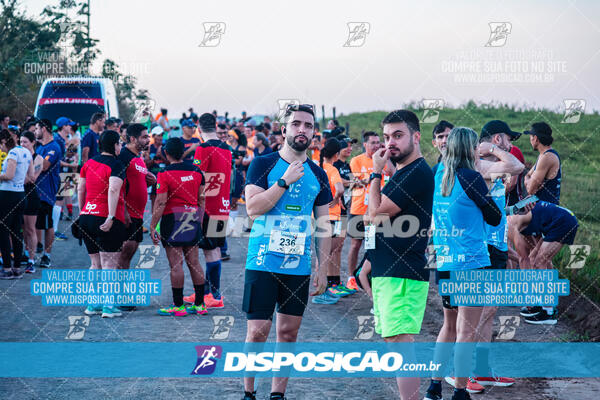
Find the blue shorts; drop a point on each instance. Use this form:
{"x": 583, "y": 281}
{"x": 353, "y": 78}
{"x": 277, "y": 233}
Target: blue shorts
{"x": 561, "y": 230}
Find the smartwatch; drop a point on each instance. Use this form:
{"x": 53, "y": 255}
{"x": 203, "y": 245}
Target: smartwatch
{"x": 281, "y": 183}
{"x": 374, "y": 176}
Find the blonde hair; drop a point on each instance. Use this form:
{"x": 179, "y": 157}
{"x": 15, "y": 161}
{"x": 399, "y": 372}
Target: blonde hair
{"x": 460, "y": 153}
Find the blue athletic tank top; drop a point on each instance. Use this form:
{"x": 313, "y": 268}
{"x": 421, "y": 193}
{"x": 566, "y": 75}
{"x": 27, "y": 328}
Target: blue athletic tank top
{"x": 459, "y": 228}
{"x": 280, "y": 240}
{"x": 550, "y": 189}
{"x": 496, "y": 235}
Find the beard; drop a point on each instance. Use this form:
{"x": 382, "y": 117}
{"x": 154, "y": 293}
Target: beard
{"x": 398, "y": 158}
{"x": 296, "y": 145}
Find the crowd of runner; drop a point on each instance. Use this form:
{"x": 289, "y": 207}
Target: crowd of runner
{"x": 289, "y": 174}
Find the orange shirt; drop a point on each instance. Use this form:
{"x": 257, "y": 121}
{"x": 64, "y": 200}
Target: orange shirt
{"x": 316, "y": 156}
{"x": 198, "y": 135}
{"x": 334, "y": 177}
{"x": 361, "y": 167}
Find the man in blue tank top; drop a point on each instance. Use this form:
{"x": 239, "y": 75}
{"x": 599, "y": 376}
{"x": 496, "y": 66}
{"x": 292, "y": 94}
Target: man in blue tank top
{"x": 544, "y": 178}
{"x": 283, "y": 190}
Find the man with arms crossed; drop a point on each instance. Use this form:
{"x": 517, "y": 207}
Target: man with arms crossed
{"x": 136, "y": 189}
{"x": 497, "y": 165}
{"x": 400, "y": 281}
{"x": 286, "y": 188}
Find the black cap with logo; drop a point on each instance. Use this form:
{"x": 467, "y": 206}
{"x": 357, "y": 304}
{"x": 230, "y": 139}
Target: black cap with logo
{"x": 496, "y": 126}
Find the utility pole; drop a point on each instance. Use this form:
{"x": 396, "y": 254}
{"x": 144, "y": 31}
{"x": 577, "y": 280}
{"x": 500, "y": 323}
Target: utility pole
{"x": 88, "y": 35}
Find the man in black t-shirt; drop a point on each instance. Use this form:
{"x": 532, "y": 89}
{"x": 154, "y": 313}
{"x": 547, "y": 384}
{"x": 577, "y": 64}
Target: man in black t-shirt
{"x": 400, "y": 281}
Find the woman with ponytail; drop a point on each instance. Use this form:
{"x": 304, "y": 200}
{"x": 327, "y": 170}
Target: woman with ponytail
{"x": 461, "y": 208}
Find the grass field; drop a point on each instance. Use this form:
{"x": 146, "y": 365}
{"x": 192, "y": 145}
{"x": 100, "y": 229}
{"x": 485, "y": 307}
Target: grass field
{"x": 579, "y": 147}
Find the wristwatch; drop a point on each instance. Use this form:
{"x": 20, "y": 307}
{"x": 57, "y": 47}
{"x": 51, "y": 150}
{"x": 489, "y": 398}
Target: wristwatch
{"x": 110, "y": 217}
{"x": 281, "y": 183}
{"x": 374, "y": 176}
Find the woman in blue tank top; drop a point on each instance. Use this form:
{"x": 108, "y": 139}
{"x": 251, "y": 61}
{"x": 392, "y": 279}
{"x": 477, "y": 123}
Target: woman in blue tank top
{"x": 461, "y": 208}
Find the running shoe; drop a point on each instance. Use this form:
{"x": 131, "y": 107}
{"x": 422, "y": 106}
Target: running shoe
{"x": 39, "y": 248}
{"x": 352, "y": 283}
{"x": 194, "y": 309}
{"x": 249, "y": 396}
{"x": 472, "y": 386}
{"x": 431, "y": 395}
{"x": 111, "y": 312}
{"x": 45, "y": 262}
{"x": 336, "y": 291}
{"x": 18, "y": 274}
{"x": 211, "y": 302}
{"x": 346, "y": 288}
{"x": 6, "y": 275}
{"x": 325, "y": 298}
{"x": 30, "y": 268}
{"x": 342, "y": 290}
{"x": 543, "y": 318}
{"x": 191, "y": 299}
{"x": 225, "y": 257}
{"x": 176, "y": 311}
{"x": 530, "y": 311}
{"x": 60, "y": 236}
{"x": 91, "y": 310}
{"x": 461, "y": 395}
{"x": 494, "y": 381}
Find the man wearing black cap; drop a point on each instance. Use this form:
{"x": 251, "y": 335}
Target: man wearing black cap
{"x": 544, "y": 178}
{"x": 497, "y": 165}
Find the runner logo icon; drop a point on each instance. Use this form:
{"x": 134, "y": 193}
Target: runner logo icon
{"x": 357, "y": 33}
{"x": 508, "y": 327}
{"x": 222, "y": 325}
{"x": 207, "y": 359}
{"x": 431, "y": 110}
{"x": 574, "y": 108}
{"x": 77, "y": 326}
{"x": 366, "y": 327}
{"x": 499, "y": 32}
{"x": 212, "y": 34}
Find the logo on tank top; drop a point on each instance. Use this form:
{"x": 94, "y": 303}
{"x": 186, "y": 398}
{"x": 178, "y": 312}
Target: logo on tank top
{"x": 89, "y": 207}
{"x": 187, "y": 178}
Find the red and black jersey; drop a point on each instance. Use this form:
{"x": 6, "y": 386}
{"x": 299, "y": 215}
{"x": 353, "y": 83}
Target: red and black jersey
{"x": 136, "y": 193}
{"x": 181, "y": 182}
{"x": 97, "y": 172}
{"x": 213, "y": 157}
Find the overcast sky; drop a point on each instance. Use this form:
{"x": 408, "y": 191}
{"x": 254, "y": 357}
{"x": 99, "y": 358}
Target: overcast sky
{"x": 280, "y": 50}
